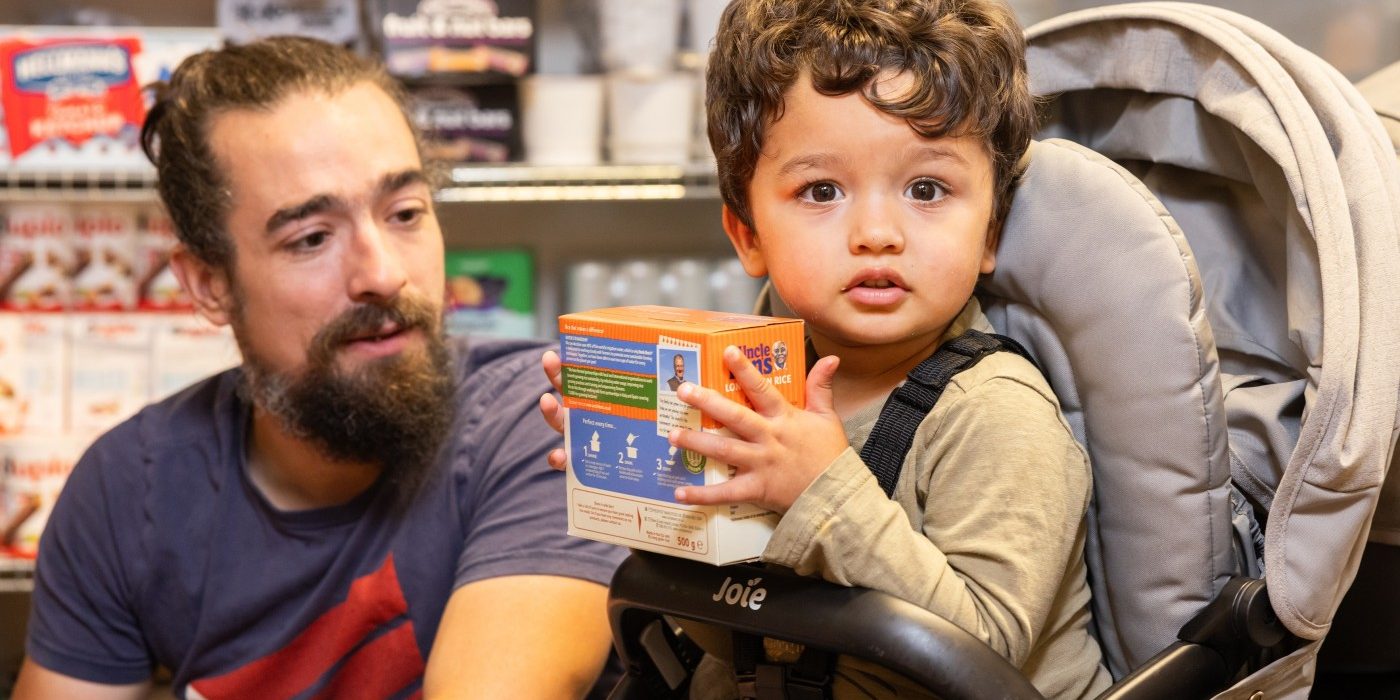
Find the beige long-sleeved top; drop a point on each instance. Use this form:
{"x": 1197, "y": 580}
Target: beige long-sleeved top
{"x": 985, "y": 528}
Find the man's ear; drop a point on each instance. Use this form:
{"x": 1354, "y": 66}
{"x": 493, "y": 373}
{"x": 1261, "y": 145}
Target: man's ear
{"x": 745, "y": 241}
{"x": 209, "y": 287}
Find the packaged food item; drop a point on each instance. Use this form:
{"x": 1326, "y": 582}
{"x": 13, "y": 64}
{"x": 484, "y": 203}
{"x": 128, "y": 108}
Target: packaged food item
{"x": 468, "y": 124}
{"x": 36, "y": 257}
{"x": 491, "y": 293}
{"x": 33, "y": 373}
{"x": 104, "y": 271}
{"x": 110, "y": 369}
{"x": 622, "y": 367}
{"x": 471, "y": 40}
{"x": 185, "y": 348}
{"x": 32, "y": 472}
{"x": 157, "y": 287}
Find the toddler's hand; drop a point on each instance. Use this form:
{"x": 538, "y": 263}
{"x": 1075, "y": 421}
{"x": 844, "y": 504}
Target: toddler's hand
{"x": 777, "y": 449}
{"x": 554, "y": 413}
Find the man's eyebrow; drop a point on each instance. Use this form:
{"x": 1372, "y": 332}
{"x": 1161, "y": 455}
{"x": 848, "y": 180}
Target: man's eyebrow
{"x": 394, "y": 182}
{"x": 297, "y": 212}
{"x": 388, "y": 184}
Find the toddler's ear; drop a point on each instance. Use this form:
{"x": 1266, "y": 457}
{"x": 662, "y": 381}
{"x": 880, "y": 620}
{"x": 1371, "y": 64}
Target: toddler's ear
{"x": 745, "y": 241}
{"x": 989, "y": 253}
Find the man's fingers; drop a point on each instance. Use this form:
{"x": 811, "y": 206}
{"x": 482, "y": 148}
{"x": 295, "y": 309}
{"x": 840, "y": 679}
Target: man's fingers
{"x": 557, "y": 458}
{"x": 553, "y": 412}
{"x": 553, "y": 368}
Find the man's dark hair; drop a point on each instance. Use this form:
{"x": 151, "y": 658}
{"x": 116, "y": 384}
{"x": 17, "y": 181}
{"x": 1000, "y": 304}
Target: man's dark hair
{"x": 966, "y": 57}
{"x": 253, "y": 76}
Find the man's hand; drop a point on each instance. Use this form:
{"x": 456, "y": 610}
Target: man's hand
{"x": 777, "y": 449}
{"x": 554, "y": 413}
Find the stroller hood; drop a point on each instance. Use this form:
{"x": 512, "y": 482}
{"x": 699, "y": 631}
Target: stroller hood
{"x": 1286, "y": 188}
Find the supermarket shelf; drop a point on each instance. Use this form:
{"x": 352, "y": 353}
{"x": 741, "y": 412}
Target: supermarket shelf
{"x": 527, "y": 183}
{"x": 137, "y": 185}
{"x": 16, "y": 575}
{"x": 465, "y": 183}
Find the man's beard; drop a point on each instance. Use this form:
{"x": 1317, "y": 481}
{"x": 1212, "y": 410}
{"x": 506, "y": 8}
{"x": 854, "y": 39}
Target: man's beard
{"x": 393, "y": 412}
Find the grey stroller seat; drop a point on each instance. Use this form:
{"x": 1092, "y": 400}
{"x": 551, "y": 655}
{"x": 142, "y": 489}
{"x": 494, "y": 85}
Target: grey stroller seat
{"x": 1181, "y": 302}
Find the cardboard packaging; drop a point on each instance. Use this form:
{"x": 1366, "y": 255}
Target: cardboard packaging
{"x": 491, "y": 293}
{"x": 621, "y": 369}
{"x": 32, "y": 473}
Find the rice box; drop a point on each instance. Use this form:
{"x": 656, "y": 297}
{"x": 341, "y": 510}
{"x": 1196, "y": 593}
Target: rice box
{"x": 621, "y": 370}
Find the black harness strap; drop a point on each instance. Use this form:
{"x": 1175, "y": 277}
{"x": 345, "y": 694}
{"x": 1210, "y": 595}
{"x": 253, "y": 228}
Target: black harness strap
{"x": 907, "y": 406}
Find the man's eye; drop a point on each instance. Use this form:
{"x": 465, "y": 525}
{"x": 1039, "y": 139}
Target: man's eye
{"x": 311, "y": 241}
{"x": 407, "y": 216}
{"x": 821, "y": 192}
{"x": 925, "y": 190}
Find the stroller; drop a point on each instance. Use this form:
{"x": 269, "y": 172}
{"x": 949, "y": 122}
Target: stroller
{"x": 1202, "y": 256}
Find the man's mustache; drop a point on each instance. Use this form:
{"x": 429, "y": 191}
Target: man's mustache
{"x": 404, "y": 312}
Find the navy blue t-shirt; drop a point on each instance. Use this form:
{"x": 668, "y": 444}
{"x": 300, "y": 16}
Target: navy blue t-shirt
{"x": 161, "y": 551}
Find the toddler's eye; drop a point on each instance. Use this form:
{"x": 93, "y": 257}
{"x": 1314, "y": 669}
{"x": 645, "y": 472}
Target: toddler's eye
{"x": 822, "y": 192}
{"x": 925, "y": 190}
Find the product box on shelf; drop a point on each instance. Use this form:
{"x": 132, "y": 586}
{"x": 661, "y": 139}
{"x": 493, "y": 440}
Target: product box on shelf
{"x": 71, "y": 97}
{"x": 335, "y": 21}
{"x": 622, "y": 366}
{"x": 109, "y": 378}
{"x": 470, "y": 40}
{"x": 105, "y": 250}
{"x": 33, "y": 373}
{"x": 156, "y": 285}
{"x": 491, "y": 293}
{"x": 185, "y": 348}
{"x": 36, "y": 256}
{"x": 33, "y": 470}
{"x": 468, "y": 124}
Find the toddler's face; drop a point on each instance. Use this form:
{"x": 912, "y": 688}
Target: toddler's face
{"x": 872, "y": 233}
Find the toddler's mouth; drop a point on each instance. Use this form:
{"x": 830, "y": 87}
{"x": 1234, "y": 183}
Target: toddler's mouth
{"x": 875, "y": 279}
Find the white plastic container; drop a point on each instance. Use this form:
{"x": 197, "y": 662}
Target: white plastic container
{"x": 639, "y": 37}
{"x": 562, "y": 119}
{"x": 650, "y": 120}
{"x": 702, "y": 20}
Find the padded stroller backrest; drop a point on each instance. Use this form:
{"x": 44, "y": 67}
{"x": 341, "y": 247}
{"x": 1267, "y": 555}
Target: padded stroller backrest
{"x": 1098, "y": 282}
{"x": 1283, "y": 181}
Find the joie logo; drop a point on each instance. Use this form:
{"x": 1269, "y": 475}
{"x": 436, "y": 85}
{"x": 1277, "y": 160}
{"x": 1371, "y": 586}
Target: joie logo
{"x": 736, "y": 593}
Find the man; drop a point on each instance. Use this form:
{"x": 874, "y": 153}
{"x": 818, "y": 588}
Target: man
{"x": 678, "y": 365}
{"x": 362, "y": 508}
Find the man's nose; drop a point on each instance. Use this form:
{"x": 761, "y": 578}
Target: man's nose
{"x": 375, "y": 264}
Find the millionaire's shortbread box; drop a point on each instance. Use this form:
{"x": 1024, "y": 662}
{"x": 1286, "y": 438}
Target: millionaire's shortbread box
{"x": 621, "y": 370}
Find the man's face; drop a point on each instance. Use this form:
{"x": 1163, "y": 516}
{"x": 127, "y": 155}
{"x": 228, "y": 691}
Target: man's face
{"x": 336, "y": 291}
{"x": 679, "y": 364}
{"x": 330, "y": 211}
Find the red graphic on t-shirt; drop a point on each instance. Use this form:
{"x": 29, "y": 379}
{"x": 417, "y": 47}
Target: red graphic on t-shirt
{"x": 377, "y": 668}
